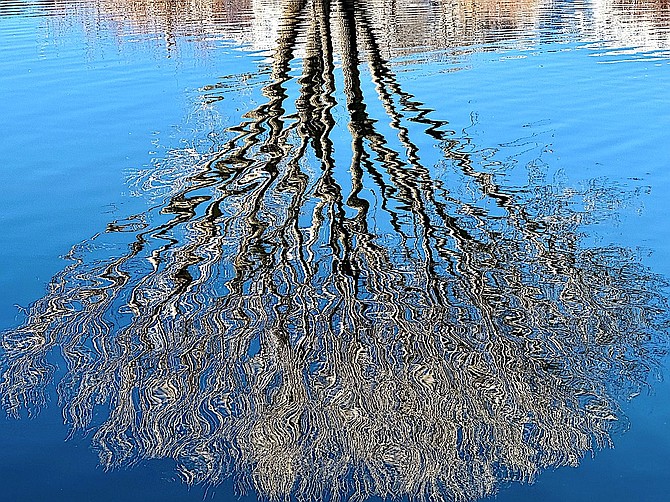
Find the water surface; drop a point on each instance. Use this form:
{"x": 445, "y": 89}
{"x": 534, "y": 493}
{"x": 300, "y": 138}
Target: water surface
{"x": 334, "y": 249}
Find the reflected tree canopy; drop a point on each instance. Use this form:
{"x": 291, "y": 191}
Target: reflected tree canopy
{"x": 319, "y": 328}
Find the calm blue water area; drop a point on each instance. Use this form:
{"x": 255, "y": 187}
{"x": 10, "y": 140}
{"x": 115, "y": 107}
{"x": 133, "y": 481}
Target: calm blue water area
{"x": 77, "y": 122}
{"x": 90, "y": 105}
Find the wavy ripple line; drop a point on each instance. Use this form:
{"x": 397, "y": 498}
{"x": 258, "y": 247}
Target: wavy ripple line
{"x": 263, "y": 323}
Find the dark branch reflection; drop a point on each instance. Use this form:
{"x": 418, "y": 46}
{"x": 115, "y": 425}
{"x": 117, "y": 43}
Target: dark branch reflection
{"x": 315, "y": 328}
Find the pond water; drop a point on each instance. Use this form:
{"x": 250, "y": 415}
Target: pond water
{"x": 258, "y": 249}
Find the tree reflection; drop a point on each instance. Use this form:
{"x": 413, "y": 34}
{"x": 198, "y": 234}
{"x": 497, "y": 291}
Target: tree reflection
{"x": 425, "y": 25}
{"x": 634, "y": 27}
{"x": 321, "y": 329}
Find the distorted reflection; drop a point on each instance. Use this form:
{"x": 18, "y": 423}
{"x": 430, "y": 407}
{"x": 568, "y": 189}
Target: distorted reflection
{"x": 343, "y": 329}
{"x": 417, "y": 27}
{"x": 636, "y": 26}
{"x": 425, "y": 25}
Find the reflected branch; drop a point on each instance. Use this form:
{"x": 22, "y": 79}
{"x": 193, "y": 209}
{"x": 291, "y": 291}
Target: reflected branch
{"x": 313, "y": 312}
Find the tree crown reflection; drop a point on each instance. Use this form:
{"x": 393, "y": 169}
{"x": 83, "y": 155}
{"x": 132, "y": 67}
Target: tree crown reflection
{"x": 318, "y": 328}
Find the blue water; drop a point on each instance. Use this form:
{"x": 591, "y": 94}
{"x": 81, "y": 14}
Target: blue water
{"x": 106, "y": 110}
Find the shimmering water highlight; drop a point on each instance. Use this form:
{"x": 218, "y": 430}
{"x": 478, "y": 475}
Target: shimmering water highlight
{"x": 343, "y": 296}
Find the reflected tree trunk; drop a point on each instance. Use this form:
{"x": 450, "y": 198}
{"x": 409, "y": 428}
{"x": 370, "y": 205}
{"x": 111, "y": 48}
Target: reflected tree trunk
{"x": 322, "y": 318}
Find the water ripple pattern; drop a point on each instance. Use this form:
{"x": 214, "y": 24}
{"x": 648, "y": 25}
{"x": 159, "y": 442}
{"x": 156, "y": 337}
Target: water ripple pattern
{"x": 312, "y": 310}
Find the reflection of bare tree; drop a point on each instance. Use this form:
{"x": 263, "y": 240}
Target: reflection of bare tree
{"x": 386, "y": 338}
{"x": 21, "y": 7}
{"x": 637, "y": 26}
{"x": 406, "y": 28}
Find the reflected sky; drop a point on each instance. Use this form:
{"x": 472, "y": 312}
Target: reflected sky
{"x": 340, "y": 297}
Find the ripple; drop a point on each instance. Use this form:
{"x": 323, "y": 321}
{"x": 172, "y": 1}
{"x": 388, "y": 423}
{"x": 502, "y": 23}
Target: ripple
{"x": 401, "y": 28}
{"x": 311, "y": 309}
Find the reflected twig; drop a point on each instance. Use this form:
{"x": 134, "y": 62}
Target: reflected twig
{"x": 326, "y": 319}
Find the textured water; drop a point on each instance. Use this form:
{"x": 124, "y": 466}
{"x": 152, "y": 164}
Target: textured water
{"x": 334, "y": 249}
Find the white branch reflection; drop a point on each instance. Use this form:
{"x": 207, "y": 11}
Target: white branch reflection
{"x": 316, "y": 338}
